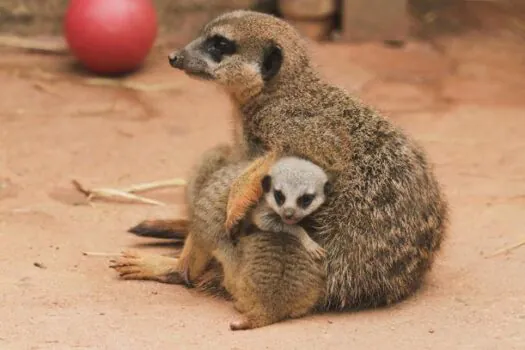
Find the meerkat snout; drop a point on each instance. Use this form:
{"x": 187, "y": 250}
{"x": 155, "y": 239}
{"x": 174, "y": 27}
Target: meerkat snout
{"x": 288, "y": 213}
{"x": 175, "y": 59}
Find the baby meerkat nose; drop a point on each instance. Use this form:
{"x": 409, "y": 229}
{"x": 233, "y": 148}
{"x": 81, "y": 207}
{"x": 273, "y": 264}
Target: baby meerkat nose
{"x": 288, "y": 213}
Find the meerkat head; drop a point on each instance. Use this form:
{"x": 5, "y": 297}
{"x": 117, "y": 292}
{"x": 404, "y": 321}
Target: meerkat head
{"x": 295, "y": 188}
{"x": 244, "y": 52}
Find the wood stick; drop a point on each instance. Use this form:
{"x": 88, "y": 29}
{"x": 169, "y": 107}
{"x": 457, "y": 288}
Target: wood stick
{"x": 177, "y": 182}
{"x": 507, "y": 249}
{"x": 100, "y": 254}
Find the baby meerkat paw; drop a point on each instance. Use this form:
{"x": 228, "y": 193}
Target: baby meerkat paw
{"x": 316, "y": 251}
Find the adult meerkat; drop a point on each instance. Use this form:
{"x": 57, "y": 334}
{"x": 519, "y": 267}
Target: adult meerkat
{"x": 386, "y": 217}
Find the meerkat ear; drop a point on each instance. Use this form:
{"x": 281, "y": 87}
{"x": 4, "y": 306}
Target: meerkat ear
{"x": 266, "y": 183}
{"x": 272, "y": 61}
{"x": 327, "y": 188}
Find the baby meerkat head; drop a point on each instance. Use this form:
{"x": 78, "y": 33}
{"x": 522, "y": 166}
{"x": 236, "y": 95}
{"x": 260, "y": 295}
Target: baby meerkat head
{"x": 295, "y": 188}
{"x": 244, "y": 52}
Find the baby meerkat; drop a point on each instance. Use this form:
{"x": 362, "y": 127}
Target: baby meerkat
{"x": 293, "y": 189}
{"x": 273, "y": 271}
{"x": 270, "y": 276}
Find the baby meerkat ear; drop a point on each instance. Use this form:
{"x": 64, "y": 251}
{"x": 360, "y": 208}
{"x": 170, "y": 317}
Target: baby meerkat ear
{"x": 272, "y": 61}
{"x": 266, "y": 183}
{"x": 327, "y": 188}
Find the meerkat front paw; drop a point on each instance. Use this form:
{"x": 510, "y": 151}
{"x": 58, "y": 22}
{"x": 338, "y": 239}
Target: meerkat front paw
{"x": 136, "y": 266}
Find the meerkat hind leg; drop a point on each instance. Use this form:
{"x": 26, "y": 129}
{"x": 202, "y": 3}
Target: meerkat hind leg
{"x": 137, "y": 266}
{"x": 193, "y": 260}
{"x": 246, "y": 189}
{"x": 240, "y": 307}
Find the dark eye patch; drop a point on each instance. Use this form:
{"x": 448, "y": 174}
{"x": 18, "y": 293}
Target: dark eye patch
{"x": 279, "y": 197}
{"x": 305, "y": 200}
{"x": 218, "y": 46}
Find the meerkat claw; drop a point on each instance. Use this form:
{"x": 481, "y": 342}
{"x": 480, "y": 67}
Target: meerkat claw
{"x": 317, "y": 253}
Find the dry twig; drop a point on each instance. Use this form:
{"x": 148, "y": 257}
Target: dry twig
{"x": 507, "y": 249}
{"x": 156, "y": 185}
{"x": 127, "y": 193}
{"x": 112, "y": 194}
{"x": 100, "y": 254}
{"x": 132, "y": 85}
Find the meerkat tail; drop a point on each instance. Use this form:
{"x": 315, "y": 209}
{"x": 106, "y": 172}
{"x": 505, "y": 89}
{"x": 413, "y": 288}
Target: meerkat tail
{"x": 246, "y": 189}
{"x": 166, "y": 229}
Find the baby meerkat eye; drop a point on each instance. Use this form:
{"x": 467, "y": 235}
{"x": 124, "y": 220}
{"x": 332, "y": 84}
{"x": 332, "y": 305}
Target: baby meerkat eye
{"x": 218, "y": 46}
{"x": 305, "y": 200}
{"x": 279, "y": 197}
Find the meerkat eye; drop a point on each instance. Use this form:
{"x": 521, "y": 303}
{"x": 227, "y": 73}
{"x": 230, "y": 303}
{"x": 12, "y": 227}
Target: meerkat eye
{"x": 279, "y": 197}
{"x": 305, "y": 200}
{"x": 218, "y": 46}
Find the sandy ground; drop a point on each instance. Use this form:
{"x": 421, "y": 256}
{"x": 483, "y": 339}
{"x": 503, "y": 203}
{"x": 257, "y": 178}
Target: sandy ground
{"x": 463, "y": 99}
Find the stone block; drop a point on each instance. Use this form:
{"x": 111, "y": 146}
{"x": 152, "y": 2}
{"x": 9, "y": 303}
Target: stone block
{"x": 306, "y": 9}
{"x": 374, "y": 20}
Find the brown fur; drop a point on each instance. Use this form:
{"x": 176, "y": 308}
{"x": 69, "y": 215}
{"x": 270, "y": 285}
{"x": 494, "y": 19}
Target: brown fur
{"x": 271, "y": 278}
{"x": 386, "y": 217}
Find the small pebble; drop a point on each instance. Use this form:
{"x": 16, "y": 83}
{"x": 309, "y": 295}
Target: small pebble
{"x": 39, "y": 265}
{"x": 431, "y": 331}
{"x": 395, "y": 43}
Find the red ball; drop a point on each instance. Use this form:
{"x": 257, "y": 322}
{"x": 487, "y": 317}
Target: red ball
{"x": 110, "y": 36}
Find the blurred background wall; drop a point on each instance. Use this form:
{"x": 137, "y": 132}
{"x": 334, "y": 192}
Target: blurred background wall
{"x": 348, "y": 20}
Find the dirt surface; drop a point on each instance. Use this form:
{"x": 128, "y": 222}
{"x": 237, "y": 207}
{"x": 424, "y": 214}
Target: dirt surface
{"x": 462, "y": 98}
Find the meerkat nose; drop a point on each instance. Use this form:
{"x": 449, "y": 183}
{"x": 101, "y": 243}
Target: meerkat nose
{"x": 175, "y": 59}
{"x": 288, "y": 213}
